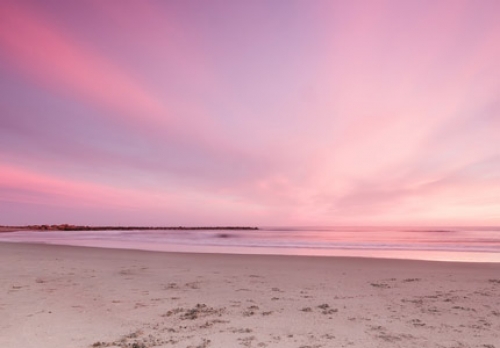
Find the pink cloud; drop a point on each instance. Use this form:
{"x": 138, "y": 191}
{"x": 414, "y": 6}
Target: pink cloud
{"x": 91, "y": 203}
{"x": 26, "y": 186}
{"x": 46, "y": 53}
{"x": 311, "y": 113}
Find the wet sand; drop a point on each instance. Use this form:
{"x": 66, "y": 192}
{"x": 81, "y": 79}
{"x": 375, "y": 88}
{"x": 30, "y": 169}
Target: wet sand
{"x": 60, "y": 296}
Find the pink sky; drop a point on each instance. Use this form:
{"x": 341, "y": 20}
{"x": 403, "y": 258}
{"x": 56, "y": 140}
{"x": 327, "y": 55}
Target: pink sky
{"x": 250, "y": 112}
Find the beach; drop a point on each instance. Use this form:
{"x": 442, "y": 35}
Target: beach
{"x": 64, "y": 296}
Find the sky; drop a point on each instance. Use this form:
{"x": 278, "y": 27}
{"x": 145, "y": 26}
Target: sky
{"x": 250, "y": 112}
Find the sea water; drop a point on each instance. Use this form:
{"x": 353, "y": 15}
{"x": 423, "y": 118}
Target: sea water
{"x": 469, "y": 244}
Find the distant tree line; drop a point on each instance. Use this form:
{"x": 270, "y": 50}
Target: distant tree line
{"x": 67, "y": 227}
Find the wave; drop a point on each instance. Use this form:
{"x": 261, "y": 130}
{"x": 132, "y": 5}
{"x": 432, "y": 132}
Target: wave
{"x": 290, "y": 240}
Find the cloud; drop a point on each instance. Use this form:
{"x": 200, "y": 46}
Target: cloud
{"x": 286, "y": 113}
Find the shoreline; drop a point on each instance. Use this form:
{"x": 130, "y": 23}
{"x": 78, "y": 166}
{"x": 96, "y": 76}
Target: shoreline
{"x": 229, "y": 254}
{"x": 460, "y": 246}
{"x": 264, "y": 252}
{"x": 67, "y": 296}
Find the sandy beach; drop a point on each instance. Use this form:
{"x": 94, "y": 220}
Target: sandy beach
{"x": 58, "y": 296}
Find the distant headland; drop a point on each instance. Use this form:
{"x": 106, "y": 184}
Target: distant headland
{"x": 67, "y": 227}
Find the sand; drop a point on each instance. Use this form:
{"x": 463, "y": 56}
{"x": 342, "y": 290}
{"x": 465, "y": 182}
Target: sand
{"x": 57, "y": 296}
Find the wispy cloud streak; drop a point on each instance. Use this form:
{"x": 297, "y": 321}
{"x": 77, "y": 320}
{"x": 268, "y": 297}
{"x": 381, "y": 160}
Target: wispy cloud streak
{"x": 373, "y": 112}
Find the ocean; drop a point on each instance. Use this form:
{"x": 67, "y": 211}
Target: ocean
{"x": 466, "y": 244}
